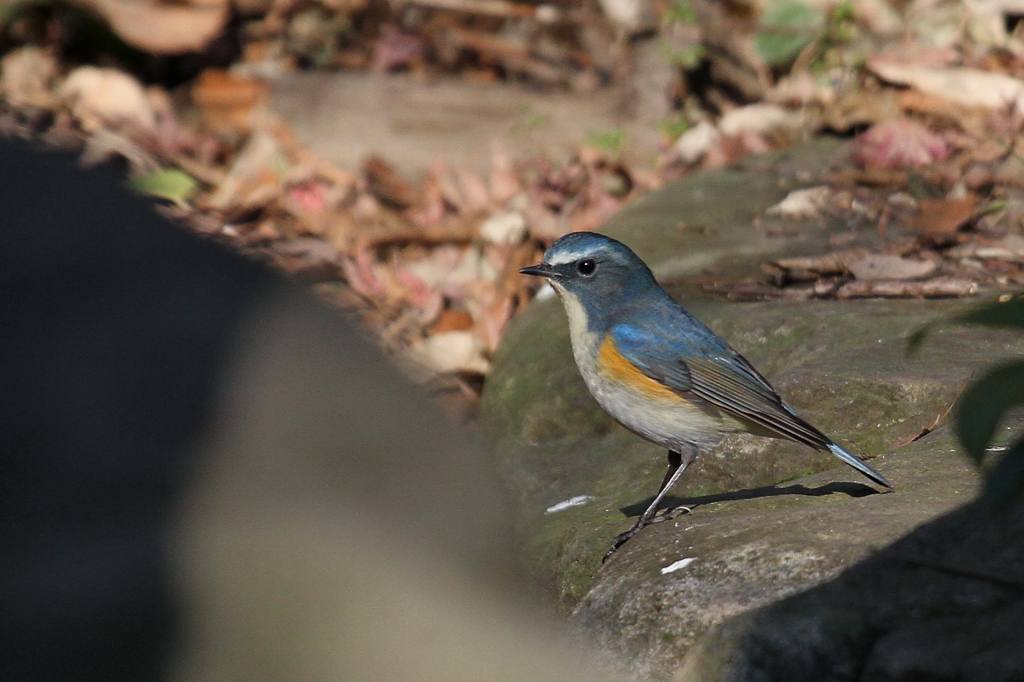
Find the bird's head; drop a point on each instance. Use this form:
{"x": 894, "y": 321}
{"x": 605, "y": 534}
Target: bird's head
{"x": 596, "y": 272}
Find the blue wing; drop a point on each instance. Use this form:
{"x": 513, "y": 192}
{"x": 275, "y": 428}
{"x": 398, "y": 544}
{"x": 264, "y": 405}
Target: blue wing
{"x": 696, "y": 362}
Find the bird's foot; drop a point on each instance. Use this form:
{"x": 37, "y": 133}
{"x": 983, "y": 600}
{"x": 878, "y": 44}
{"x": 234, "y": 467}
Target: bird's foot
{"x": 678, "y": 511}
{"x": 621, "y": 539}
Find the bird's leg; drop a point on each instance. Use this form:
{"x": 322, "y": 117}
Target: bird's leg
{"x": 677, "y": 463}
{"x": 674, "y": 460}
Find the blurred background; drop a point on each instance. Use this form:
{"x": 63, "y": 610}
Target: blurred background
{"x": 400, "y": 161}
{"x": 406, "y": 157}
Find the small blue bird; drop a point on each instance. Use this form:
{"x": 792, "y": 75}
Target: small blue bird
{"x": 656, "y": 369}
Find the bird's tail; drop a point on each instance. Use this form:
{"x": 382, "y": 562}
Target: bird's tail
{"x": 857, "y": 464}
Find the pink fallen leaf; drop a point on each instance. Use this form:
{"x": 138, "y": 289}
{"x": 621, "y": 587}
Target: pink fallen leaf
{"x": 395, "y": 49}
{"x": 308, "y": 196}
{"x": 360, "y": 272}
{"x": 898, "y": 144}
{"x": 475, "y": 194}
{"x": 504, "y": 182}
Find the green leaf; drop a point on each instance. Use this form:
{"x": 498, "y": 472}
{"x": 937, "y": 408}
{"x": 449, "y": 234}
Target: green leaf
{"x": 680, "y": 11}
{"x": 1005, "y": 482}
{"x": 609, "y": 141}
{"x": 983, "y": 404}
{"x": 167, "y": 183}
{"x": 787, "y": 28}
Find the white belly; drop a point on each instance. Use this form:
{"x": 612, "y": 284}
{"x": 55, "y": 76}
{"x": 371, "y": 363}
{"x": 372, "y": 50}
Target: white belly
{"x": 672, "y": 423}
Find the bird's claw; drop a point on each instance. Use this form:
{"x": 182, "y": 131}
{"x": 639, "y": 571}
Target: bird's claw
{"x": 620, "y": 540}
{"x": 678, "y": 511}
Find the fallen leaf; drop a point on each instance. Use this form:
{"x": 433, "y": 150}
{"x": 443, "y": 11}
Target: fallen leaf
{"x": 309, "y": 258}
{"x": 803, "y": 268}
{"x": 452, "y": 321}
{"x": 504, "y": 228}
{"x": 172, "y": 184}
{"x": 967, "y": 87}
{"x": 787, "y": 27}
{"x": 26, "y": 76}
{"x": 803, "y": 204}
{"x": 504, "y": 183}
{"x": 881, "y": 266}
{"x": 1010, "y": 248}
{"x": 387, "y": 185}
{"x": 759, "y": 119}
{"x": 695, "y": 142}
{"x": 898, "y": 144}
{"x": 227, "y": 101}
{"x": 361, "y": 273}
{"x": 940, "y": 218}
{"x": 394, "y": 49}
{"x": 473, "y": 191}
{"x": 255, "y": 176}
{"x": 940, "y": 287}
{"x": 101, "y": 97}
{"x": 163, "y": 26}
{"x": 456, "y": 351}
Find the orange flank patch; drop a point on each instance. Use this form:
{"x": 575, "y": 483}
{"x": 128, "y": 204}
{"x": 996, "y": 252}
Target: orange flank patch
{"x": 611, "y": 363}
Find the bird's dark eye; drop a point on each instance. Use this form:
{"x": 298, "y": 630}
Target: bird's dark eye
{"x": 586, "y": 267}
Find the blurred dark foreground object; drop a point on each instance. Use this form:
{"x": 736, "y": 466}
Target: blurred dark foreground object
{"x": 208, "y": 476}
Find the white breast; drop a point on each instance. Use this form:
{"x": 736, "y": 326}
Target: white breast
{"x": 670, "y": 423}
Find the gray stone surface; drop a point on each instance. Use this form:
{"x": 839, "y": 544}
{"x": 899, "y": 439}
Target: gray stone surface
{"x": 943, "y": 603}
{"x": 414, "y": 122}
{"x": 765, "y": 524}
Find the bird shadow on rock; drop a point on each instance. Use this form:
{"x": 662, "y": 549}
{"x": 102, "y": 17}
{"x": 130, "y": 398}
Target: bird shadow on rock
{"x": 671, "y": 501}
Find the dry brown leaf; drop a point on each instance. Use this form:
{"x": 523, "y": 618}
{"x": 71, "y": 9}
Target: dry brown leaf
{"x": 803, "y": 204}
{"x": 759, "y": 119}
{"x": 455, "y": 351}
{"x": 100, "y": 97}
{"x": 941, "y": 218}
{"x": 963, "y": 86}
{"x": 882, "y": 266}
{"x": 804, "y": 268}
{"x": 452, "y": 321}
{"x": 394, "y": 49}
{"x": 228, "y": 102}
{"x": 504, "y": 183}
{"x": 387, "y": 185}
{"x": 163, "y": 26}
{"x": 255, "y": 176}
{"x": 504, "y": 228}
{"x": 1010, "y": 248}
{"x": 361, "y": 272}
{"x": 309, "y": 258}
{"x": 940, "y": 287}
{"x": 26, "y": 77}
{"x": 473, "y": 191}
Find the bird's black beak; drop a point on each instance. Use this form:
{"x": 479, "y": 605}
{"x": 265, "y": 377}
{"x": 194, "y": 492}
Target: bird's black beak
{"x": 539, "y": 270}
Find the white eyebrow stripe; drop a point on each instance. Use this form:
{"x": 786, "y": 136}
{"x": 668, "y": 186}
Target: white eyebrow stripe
{"x": 567, "y": 257}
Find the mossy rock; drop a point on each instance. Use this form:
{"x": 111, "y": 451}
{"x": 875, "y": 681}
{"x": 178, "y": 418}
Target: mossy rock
{"x": 843, "y": 365}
